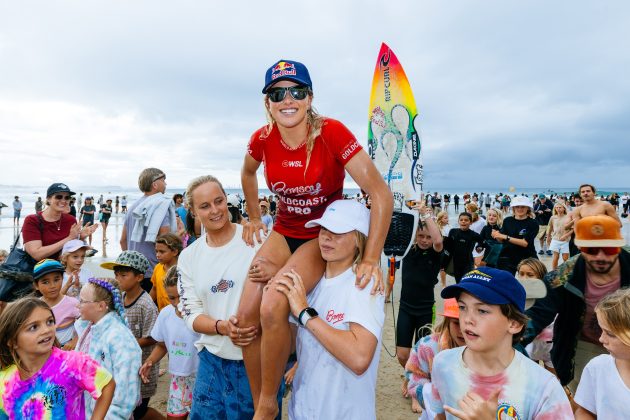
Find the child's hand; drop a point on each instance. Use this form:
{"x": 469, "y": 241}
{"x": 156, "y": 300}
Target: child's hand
{"x": 288, "y": 377}
{"x": 75, "y": 279}
{"x": 145, "y": 371}
{"x": 473, "y": 407}
{"x": 292, "y": 287}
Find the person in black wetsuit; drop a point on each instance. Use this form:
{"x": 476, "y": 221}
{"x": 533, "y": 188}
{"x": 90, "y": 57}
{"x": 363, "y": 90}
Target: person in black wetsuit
{"x": 460, "y": 244}
{"x": 420, "y": 269}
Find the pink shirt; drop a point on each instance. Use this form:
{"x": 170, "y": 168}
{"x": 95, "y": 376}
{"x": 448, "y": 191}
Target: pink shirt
{"x": 592, "y": 295}
{"x": 66, "y": 312}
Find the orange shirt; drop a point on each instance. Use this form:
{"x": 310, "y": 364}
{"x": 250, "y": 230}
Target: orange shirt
{"x": 159, "y": 273}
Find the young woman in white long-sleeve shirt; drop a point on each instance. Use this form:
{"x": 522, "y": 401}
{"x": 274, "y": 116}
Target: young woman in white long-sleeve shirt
{"x": 212, "y": 272}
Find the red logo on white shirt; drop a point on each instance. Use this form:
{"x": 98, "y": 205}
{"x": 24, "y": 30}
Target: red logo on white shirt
{"x": 334, "y": 318}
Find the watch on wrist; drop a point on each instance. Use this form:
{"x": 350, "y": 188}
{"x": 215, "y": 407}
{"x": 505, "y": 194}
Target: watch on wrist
{"x": 306, "y": 314}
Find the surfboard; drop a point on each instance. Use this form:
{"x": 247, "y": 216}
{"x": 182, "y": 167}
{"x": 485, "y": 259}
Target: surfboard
{"x": 395, "y": 147}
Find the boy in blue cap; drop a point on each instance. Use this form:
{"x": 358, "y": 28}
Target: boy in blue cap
{"x": 487, "y": 378}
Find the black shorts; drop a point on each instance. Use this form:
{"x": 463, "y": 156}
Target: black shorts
{"x": 409, "y": 327}
{"x": 142, "y": 409}
{"x": 295, "y": 243}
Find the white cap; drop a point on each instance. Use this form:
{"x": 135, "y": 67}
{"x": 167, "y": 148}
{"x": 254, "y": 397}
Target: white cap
{"x": 521, "y": 200}
{"x": 233, "y": 200}
{"x": 73, "y": 245}
{"x": 343, "y": 216}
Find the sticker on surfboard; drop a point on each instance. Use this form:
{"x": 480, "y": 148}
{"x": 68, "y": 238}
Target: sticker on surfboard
{"x": 393, "y": 137}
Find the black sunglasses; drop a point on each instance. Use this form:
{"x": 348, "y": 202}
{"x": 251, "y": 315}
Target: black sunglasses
{"x": 278, "y": 94}
{"x": 62, "y": 197}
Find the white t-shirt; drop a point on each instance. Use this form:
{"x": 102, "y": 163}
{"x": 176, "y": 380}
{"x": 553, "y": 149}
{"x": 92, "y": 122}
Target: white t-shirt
{"x": 211, "y": 281}
{"x": 601, "y": 390}
{"x": 323, "y": 387}
{"x": 179, "y": 341}
{"x": 528, "y": 391}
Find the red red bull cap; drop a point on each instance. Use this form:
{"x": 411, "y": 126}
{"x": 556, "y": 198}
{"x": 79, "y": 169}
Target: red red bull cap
{"x": 287, "y": 70}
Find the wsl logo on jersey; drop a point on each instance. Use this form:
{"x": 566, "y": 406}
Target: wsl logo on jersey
{"x": 283, "y": 69}
{"x": 222, "y": 286}
{"x": 506, "y": 411}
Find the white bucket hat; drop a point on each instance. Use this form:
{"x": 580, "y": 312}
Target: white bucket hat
{"x": 521, "y": 200}
{"x": 343, "y": 216}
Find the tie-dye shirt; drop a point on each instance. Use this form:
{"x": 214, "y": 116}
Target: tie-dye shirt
{"x": 55, "y": 391}
{"x": 419, "y": 364}
{"x": 115, "y": 347}
{"x": 527, "y": 390}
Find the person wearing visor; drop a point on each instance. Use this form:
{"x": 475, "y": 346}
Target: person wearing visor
{"x": 306, "y": 157}
{"x": 574, "y": 289}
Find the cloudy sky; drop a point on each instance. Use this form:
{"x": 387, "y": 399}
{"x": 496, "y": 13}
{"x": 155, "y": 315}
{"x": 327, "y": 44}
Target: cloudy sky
{"x": 531, "y": 94}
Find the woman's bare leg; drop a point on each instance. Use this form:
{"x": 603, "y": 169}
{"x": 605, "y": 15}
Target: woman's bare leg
{"x": 275, "y": 252}
{"x": 274, "y": 315}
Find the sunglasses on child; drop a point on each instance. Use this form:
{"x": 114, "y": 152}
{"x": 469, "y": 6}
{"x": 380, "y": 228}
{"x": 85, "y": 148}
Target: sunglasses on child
{"x": 608, "y": 250}
{"x": 278, "y": 94}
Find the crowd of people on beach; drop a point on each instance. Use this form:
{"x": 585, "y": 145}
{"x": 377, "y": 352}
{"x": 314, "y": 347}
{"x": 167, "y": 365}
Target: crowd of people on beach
{"x": 247, "y": 298}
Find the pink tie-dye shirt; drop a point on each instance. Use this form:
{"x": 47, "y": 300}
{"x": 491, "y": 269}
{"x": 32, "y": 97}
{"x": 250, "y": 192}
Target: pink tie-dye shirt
{"x": 528, "y": 391}
{"x": 55, "y": 391}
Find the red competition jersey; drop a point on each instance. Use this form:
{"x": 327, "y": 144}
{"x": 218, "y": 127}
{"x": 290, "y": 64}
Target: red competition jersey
{"x": 304, "y": 193}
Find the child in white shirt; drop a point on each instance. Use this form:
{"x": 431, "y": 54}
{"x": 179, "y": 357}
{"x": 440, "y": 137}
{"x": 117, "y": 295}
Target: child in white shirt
{"x": 75, "y": 276}
{"x": 176, "y": 340}
{"x": 338, "y": 344}
{"x": 604, "y": 389}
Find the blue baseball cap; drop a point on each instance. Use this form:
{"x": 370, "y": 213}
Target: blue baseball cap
{"x": 287, "y": 70}
{"x": 45, "y": 267}
{"x": 491, "y": 286}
